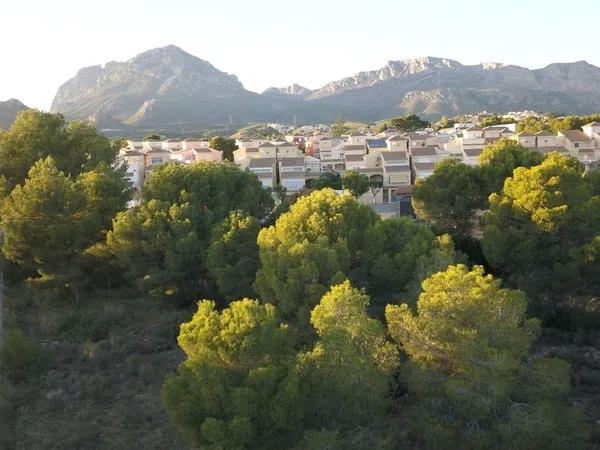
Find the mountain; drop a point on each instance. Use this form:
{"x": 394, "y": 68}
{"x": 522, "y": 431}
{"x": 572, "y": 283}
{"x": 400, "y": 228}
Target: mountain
{"x": 293, "y": 89}
{"x": 169, "y": 89}
{"x": 435, "y": 86}
{"x": 8, "y": 112}
{"x": 163, "y": 87}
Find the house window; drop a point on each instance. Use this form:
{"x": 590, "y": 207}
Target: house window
{"x": 156, "y": 160}
{"x": 576, "y": 144}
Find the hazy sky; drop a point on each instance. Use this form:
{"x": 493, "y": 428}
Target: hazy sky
{"x": 277, "y": 42}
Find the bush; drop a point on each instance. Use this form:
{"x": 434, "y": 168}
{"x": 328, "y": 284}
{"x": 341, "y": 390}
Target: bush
{"x": 78, "y": 328}
{"x": 20, "y": 358}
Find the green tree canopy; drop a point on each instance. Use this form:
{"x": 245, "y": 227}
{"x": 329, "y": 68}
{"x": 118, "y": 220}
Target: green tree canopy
{"x": 162, "y": 243}
{"x": 232, "y": 391}
{"x": 310, "y": 248}
{"x": 408, "y": 122}
{"x": 542, "y": 231}
{"x": 345, "y": 378}
{"x": 355, "y": 182}
{"x": 328, "y": 180}
{"x": 227, "y": 146}
{"x": 498, "y": 160}
{"x": 51, "y": 220}
{"x": 395, "y": 249}
{"x": 449, "y": 198}
{"x": 445, "y": 122}
{"x": 493, "y": 120}
{"x": 232, "y": 256}
{"x": 75, "y": 147}
{"x": 216, "y": 189}
{"x": 340, "y": 127}
{"x": 474, "y": 381}
{"x": 326, "y": 238}
{"x": 243, "y": 384}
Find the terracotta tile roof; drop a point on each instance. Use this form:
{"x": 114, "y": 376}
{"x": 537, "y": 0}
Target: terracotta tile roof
{"x": 354, "y": 158}
{"x": 416, "y": 136}
{"x": 133, "y": 153}
{"x": 424, "y": 151}
{"x": 354, "y": 147}
{"x": 471, "y": 152}
{"x": 397, "y": 137}
{"x": 576, "y": 136}
{"x": 158, "y": 150}
{"x": 397, "y": 168}
{"x": 393, "y": 156}
{"x": 261, "y": 162}
{"x": 424, "y": 167}
{"x": 291, "y": 162}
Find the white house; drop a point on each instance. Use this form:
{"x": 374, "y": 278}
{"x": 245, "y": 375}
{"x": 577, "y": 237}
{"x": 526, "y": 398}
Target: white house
{"x": 136, "y": 166}
{"x": 292, "y": 173}
{"x": 397, "y": 143}
{"x": 354, "y": 161}
{"x": 264, "y": 169}
{"x": 171, "y": 144}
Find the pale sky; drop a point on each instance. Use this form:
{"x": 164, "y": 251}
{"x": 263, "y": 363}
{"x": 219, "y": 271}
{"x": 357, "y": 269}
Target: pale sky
{"x": 278, "y": 42}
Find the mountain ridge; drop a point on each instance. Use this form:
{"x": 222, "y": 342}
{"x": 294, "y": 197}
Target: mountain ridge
{"x": 170, "y": 88}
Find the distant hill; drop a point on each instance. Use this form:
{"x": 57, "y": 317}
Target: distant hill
{"x": 169, "y": 89}
{"x": 8, "y": 112}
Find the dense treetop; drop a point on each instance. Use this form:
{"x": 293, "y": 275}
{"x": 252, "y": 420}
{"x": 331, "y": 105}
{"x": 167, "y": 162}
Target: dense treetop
{"x": 74, "y": 147}
{"x": 449, "y": 197}
{"x": 162, "y": 243}
{"x": 543, "y": 227}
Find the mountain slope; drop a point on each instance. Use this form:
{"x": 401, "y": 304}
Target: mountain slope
{"x": 163, "y": 86}
{"x": 435, "y": 86}
{"x": 170, "y": 89}
{"x": 8, "y": 112}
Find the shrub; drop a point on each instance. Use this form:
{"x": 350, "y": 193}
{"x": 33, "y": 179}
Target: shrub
{"x": 20, "y": 358}
{"x": 78, "y": 328}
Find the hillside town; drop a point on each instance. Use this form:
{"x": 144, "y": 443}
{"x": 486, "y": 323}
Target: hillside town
{"x": 392, "y": 161}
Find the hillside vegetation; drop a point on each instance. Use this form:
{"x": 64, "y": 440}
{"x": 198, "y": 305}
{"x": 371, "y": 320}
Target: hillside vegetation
{"x": 206, "y": 317}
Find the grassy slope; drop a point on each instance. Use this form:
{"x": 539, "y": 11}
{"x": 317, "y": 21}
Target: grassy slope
{"x": 110, "y": 357}
{"x": 102, "y": 388}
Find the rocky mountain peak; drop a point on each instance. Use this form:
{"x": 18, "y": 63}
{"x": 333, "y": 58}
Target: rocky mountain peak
{"x": 421, "y": 64}
{"x": 293, "y": 89}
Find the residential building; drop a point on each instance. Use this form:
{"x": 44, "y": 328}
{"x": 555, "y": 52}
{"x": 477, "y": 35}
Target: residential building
{"x": 191, "y": 143}
{"x": 397, "y": 143}
{"x": 292, "y": 173}
{"x": 396, "y": 174}
{"x": 171, "y": 144}
{"x": 354, "y": 162}
{"x": 264, "y": 169}
{"x": 136, "y": 166}
{"x": 198, "y": 154}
